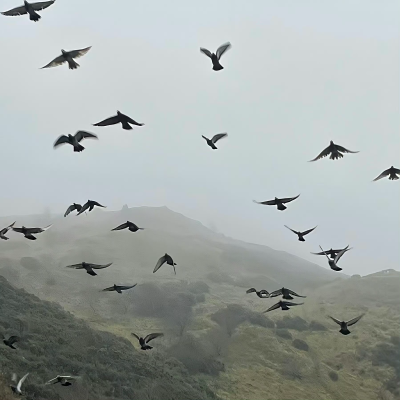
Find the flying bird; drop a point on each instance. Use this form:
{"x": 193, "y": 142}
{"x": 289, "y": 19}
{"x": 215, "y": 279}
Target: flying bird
{"x": 331, "y": 253}
{"x": 68, "y": 56}
{"x": 335, "y": 152}
{"x": 72, "y": 207}
{"x": 65, "y": 380}
{"x": 10, "y": 341}
{"x": 74, "y": 140}
{"x": 119, "y": 118}
{"x": 333, "y": 263}
{"x": 344, "y": 325}
{"x": 301, "y": 234}
{"x": 166, "y": 258}
{"x": 286, "y": 293}
{"x": 16, "y": 386}
{"x": 262, "y": 294}
{"x": 90, "y": 204}
{"x": 128, "y": 224}
{"x": 215, "y": 138}
{"x": 143, "y": 341}
{"x": 216, "y": 57}
{"x": 118, "y": 288}
{"x": 392, "y": 172}
{"x": 4, "y": 231}
{"x": 29, "y": 8}
{"x": 88, "y": 267}
{"x": 279, "y": 203}
{"x": 29, "y": 232}
{"x": 283, "y": 305}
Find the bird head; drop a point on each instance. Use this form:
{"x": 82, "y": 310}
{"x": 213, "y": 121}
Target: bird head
{"x": 25, "y": 2}
{"x": 63, "y": 51}
{"x": 118, "y": 113}
{"x": 331, "y": 142}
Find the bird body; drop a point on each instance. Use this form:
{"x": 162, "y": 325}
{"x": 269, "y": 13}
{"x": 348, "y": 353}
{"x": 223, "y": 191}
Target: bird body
{"x": 130, "y": 225}
{"x": 215, "y": 57}
{"x": 89, "y": 267}
{"x": 283, "y": 305}
{"x": 286, "y": 293}
{"x": 301, "y": 234}
{"x": 392, "y": 172}
{"x": 74, "y": 140}
{"x": 262, "y": 294}
{"x": 335, "y": 152}
{"x": 120, "y": 118}
{"x": 29, "y": 8}
{"x": 10, "y": 341}
{"x": 344, "y": 330}
{"x": 29, "y": 232}
{"x": 211, "y": 142}
{"x": 166, "y": 258}
{"x": 68, "y": 57}
{"x": 333, "y": 262}
{"x": 143, "y": 341}
{"x": 331, "y": 253}
{"x": 118, "y": 288}
{"x": 89, "y": 205}
{"x": 279, "y": 203}
{"x": 5, "y": 230}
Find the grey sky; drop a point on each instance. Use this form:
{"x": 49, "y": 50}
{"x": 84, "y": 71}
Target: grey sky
{"x": 299, "y": 74}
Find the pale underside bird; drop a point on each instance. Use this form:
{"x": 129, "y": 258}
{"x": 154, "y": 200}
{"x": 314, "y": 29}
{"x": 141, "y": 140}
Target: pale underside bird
{"x": 130, "y": 225}
{"x": 344, "y": 325}
{"x": 301, "y": 234}
{"x": 73, "y": 207}
{"x": 279, "y": 203}
{"x": 392, "y": 172}
{"x": 89, "y": 267}
{"x": 4, "y": 231}
{"x": 75, "y": 140}
{"x": 262, "y": 294}
{"x": 215, "y": 138}
{"x": 119, "y": 119}
{"x": 89, "y": 205}
{"x": 118, "y": 288}
{"x": 283, "y": 305}
{"x": 333, "y": 263}
{"x": 335, "y": 152}
{"x": 164, "y": 259}
{"x": 29, "y": 232}
{"x": 285, "y": 293}
{"x": 143, "y": 341}
{"x": 16, "y": 385}
{"x": 29, "y": 8}
{"x": 68, "y": 57}
{"x": 65, "y": 380}
{"x": 215, "y": 57}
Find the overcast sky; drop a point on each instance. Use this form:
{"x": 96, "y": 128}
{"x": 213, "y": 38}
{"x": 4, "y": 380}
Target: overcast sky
{"x": 299, "y": 74}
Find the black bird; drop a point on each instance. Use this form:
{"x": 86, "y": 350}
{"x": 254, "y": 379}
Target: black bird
{"x": 279, "y": 203}
{"x": 331, "y": 253}
{"x": 10, "y": 341}
{"x": 286, "y": 294}
{"x": 343, "y": 325}
{"x": 166, "y": 258}
{"x": 216, "y": 57}
{"x": 283, "y": 305}
{"x": 16, "y": 385}
{"x": 128, "y": 224}
{"x": 65, "y": 380}
{"x": 90, "y": 204}
{"x": 143, "y": 341}
{"x": 118, "y": 288}
{"x": 72, "y": 207}
{"x": 68, "y": 56}
{"x": 119, "y": 118}
{"x": 88, "y": 267}
{"x": 211, "y": 142}
{"x": 262, "y": 294}
{"x": 392, "y": 172}
{"x": 333, "y": 263}
{"x": 335, "y": 152}
{"x": 29, "y": 232}
{"x": 301, "y": 234}
{"x": 29, "y": 8}
{"x": 5, "y": 230}
{"x": 74, "y": 140}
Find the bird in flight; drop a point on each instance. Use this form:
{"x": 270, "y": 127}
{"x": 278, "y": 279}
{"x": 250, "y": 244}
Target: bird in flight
{"x": 89, "y": 267}
{"x": 10, "y": 341}
{"x": 90, "y": 204}
{"x": 333, "y": 263}
{"x": 118, "y": 288}
{"x": 344, "y": 325}
{"x": 29, "y": 232}
{"x": 279, "y": 203}
{"x": 262, "y": 294}
{"x": 283, "y": 305}
{"x": 166, "y": 258}
{"x": 16, "y": 385}
{"x": 301, "y": 234}
{"x": 68, "y": 56}
{"x": 73, "y": 207}
{"x": 335, "y": 152}
{"x": 119, "y": 118}
{"x": 143, "y": 341}
{"x": 74, "y": 140}
{"x": 331, "y": 253}
{"x": 4, "y": 231}
{"x": 217, "y": 56}
{"x": 65, "y": 380}
{"x": 392, "y": 172}
{"x": 215, "y": 138}
{"x": 128, "y": 224}
{"x": 286, "y": 294}
{"x": 29, "y": 8}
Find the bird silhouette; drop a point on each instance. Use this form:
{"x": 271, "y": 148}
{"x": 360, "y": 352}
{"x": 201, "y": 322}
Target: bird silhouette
{"x": 333, "y": 263}
{"x": 119, "y": 119}
{"x": 392, "y": 172}
{"x": 279, "y": 203}
{"x": 10, "y": 341}
{"x": 4, "y": 231}
{"x": 72, "y": 207}
{"x": 29, "y": 232}
{"x": 164, "y": 259}
{"x": 284, "y": 305}
{"x": 334, "y": 150}
{"x": 29, "y": 8}
{"x": 89, "y": 267}
{"x": 89, "y": 205}
{"x": 301, "y": 234}
{"x": 344, "y": 325}
{"x": 286, "y": 294}
{"x": 68, "y": 57}
{"x": 118, "y": 288}
{"x": 215, "y": 138}
{"x": 75, "y": 140}
{"x": 16, "y": 385}
{"x": 262, "y": 294}
{"x": 143, "y": 341}
{"x": 217, "y": 56}
{"x": 65, "y": 380}
{"x": 130, "y": 225}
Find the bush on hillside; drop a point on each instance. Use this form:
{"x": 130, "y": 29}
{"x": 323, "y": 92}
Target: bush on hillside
{"x": 220, "y": 277}
{"x": 291, "y": 369}
{"x": 334, "y": 376}
{"x": 284, "y": 333}
{"x": 316, "y": 326}
{"x": 296, "y": 323}
{"x": 300, "y": 344}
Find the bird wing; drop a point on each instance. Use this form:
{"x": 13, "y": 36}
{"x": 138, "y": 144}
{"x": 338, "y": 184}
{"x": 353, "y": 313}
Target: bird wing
{"x": 122, "y": 226}
{"x": 21, "y": 381}
{"x": 251, "y": 290}
{"x": 109, "y": 121}
{"x": 266, "y": 203}
{"x": 263, "y": 291}
{"x": 95, "y": 203}
{"x": 160, "y": 262}
{"x": 84, "y": 208}
{"x": 136, "y": 336}
{"x": 275, "y": 293}
{"x": 37, "y": 230}
{"x": 344, "y": 150}
{"x": 382, "y": 175}
{"x": 97, "y": 266}
{"x": 69, "y": 209}
{"x": 61, "y": 140}
{"x": 354, "y": 320}
{"x": 56, "y": 62}
{"x": 323, "y": 154}
{"x": 336, "y": 320}
{"x": 294, "y": 293}
{"x": 109, "y": 289}
{"x": 15, "y": 11}
{"x": 16, "y": 229}
{"x": 396, "y": 170}
{"x": 290, "y": 229}
{"x": 206, "y": 52}
{"x": 308, "y": 231}
{"x": 222, "y": 49}
{"x": 288, "y": 199}
{"x": 218, "y": 136}
{"x": 76, "y": 266}
{"x": 79, "y": 53}
{"x": 13, "y": 339}
{"x": 132, "y": 121}
{"x": 341, "y": 252}
{"x": 14, "y": 377}
{"x": 323, "y": 252}
{"x": 127, "y": 287}
{"x": 319, "y": 254}
{"x": 274, "y": 307}
{"x": 152, "y": 336}
{"x": 80, "y": 135}
{"x": 42, "y": 5}
{"x": 54, "y": 380}
{"x": 288, "y": 303}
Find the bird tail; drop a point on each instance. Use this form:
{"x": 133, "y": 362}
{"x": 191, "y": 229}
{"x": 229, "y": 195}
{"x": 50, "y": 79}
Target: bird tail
{"x": 79, "y": 148}
{"x": 344, "y": 331}
{"x": 285, "y": 307}
{"x": 217, "y": 66}
{"x": 335, "y": 155}
{"x": 281, "y": 206}
{"x": 393, "y": 177}
{"x": 33, "y": 16}
{"x": 72, "y": 64}
{"x": 126, "y": 126}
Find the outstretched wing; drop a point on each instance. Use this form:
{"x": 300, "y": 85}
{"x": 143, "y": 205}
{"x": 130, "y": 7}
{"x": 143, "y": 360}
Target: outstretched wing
{"x": 15, "y": 11}
{"x": 274, "y": 307}
{"x": 263, "y": 291}
{"x": 344, "y": 150}
{"x": 382, "y": 175}
{"x": 54, "y": 380}
{"x": 341, "y": 252}
{"x": 290, "y": 229}
{"x": 38, "y": 230}
{"x": 152, "y": 336}
{"x": 21, "y": 381}
{"x": 336, "y": 320}
{"x": 80, "y": 135}
{"x": 127, "y": 287}
{"x": 294, "y": 293}
{"x": 275, "y": 293}
{"x": 13, "y": 339}
{"x": 160, "y": 262}
{"x": 266, "y": 203}
{"x": 42, "y": 5}
{"x": 206, "y": 52}
{"x": 308, "y": 231}
{"x": 56, "y": 62}
{"x": 19, "y": 230}
{"x": 288, "y": 199}
{"x": 61, "y": 140}
{"x": 79, "y": 53}
{"x": 132, "y": 121}
{"x": 69, "y": 209}
{"x": 95, "y": 203}
{"x": 108, "y": 121}
{"x": 97, "y": 266}
{"x": 136, "y": 336}
{"x": 323, "y": 252}
{"x": 84, "y": 208}
{"x": 76, "y": 266}
{"x": 288, "y": 303}
{"x": 251, "y": 290}
{"x": 323, "y": 154}
{"x": 109, "y": 289}
{"x": 122, "y": 226}
{"x": 222, "y": 49}
{"x": 218, "y": 136}
{"x": 354, "y": 320}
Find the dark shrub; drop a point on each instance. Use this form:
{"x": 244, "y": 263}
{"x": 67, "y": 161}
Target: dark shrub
{"x": 316, "y": 326}
{"x": 291, "y": 369}
{"x": 334, "y": 376}
{"x": 300, "y": 344}
{"x": 297, "y": 323}
{"x": 284, "y": 333}
{"x": 260, "y": 320}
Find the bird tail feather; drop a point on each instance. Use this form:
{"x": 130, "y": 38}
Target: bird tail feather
{"x": 33, "y": 16}
{"x": 72, "y": 64}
